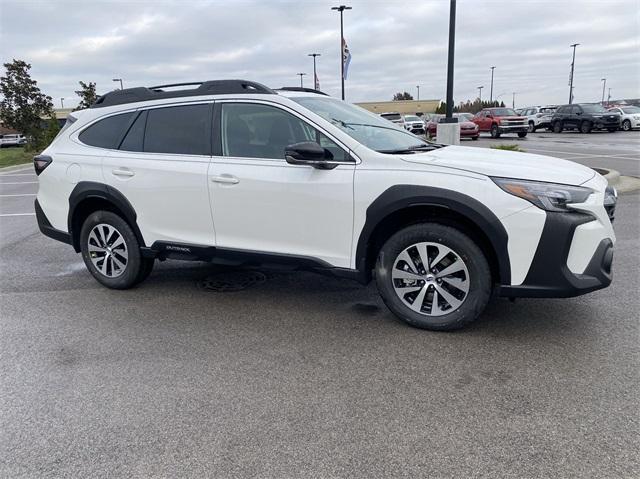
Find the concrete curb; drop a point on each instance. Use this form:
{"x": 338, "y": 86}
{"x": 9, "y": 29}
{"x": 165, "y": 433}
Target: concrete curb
{"x": 8, "y": 169}
{"x": 622, "y": 184}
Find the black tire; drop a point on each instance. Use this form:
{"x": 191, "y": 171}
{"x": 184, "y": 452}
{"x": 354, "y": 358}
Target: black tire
{"x": 585, "y": 127}
{"x": 522, "y": 134}
{"x": 133, "y": 270}
{"x": 474, "y": 138}
{"x": 480, "y": 282}
{"x": 557, "y": 127}
{"x": 626, "y": 125}
{"x": 532, "y": 127}
{"x": 495, "y": 131}
{"x": 612, "y": 130}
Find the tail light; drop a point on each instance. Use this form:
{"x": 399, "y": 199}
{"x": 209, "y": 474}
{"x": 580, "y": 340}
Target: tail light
{"x": 41, "y": 162}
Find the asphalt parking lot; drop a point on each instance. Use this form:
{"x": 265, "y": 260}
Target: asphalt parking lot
{"x": 307, "y": 376}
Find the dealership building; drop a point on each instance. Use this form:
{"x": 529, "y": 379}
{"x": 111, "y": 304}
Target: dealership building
{"x": 401, "y": 106}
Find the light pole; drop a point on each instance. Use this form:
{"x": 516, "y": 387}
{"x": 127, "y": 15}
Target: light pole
{"x": 418, "y": 88}
{"x": 452, "y": 44}
{"x": 62, "y": 101}
{"x": 604, "y": 84}
{"x": 301, "y": 75}
{"x": 609, "y": 97}
{"x": 513, "y": 101}
{"x": 573, "y": 61}
{"x": 491, "y": 91}
{"x": 315, "y": 76}
{"x": 341, "y": 9}
{"x": 480, "y": 93}
{"x": 120, "y": 80}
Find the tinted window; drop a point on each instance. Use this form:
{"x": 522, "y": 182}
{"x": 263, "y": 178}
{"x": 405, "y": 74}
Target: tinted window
{"x": 261, "y": 131}
{"x": 133, "y": 141}
{"x": 179, "y": 129}
{"x": 106, "y": 133}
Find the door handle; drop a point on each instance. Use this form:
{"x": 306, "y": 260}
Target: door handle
{"x": 122, "y": 172}
{"x": 226, "y": 179}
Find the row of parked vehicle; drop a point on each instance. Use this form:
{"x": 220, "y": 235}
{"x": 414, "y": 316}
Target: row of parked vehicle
{"x": 584, "y": 117}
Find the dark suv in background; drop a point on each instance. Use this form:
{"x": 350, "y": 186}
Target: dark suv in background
{"x": 584, "y": 117}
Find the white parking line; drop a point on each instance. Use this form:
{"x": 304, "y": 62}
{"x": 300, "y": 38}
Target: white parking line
{"x": 580, "y": 155}
{"x": 21, "y": 183}
{"x": 16, "y": 171}
{"x": 17, "y": 214}
{"x": 26, "y": 194}
{"x": 21, "y": 174}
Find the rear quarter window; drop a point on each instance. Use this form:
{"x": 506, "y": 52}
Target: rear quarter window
{"x": 106, "y": 133}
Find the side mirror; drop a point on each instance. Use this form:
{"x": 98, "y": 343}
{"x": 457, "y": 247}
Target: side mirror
{"x": 309, "y": 153}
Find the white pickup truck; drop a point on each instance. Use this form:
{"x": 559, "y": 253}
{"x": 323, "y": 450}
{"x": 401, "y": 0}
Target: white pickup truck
{"x": 12, "y": 140}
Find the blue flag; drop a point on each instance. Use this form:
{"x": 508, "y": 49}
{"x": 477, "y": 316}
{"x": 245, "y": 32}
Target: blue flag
{"x": 346, "y": 57}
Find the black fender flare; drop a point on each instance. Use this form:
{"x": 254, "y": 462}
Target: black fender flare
{"x": 88, "y": 189}
{"x": 400, "y": 197}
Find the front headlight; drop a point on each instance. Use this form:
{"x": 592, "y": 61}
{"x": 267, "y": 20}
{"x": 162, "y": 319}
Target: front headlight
{"x": 548, "y": 196}
{"x": 503, "y": 122}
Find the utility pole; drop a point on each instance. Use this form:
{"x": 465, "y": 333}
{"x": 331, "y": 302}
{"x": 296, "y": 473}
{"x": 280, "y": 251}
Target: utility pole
{"x": 513, "y": 101}
{"x": 573, "y": 62}
{"x": 120, "y": 80}
{"x": 609, "y": 97}
{"x": 480, "y": 93}
{"x": 604, "y": 84}
{"x": 62, "y": 101}
{"x": 418, "y": 87}
{"x": 301, "y": 75}
{"x": 491, "y": 91}
{"x": 315, "y": 76}
{"x": 341, "y": 9}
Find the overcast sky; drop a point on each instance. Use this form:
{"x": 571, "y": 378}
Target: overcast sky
{"x": 395, "y": 45}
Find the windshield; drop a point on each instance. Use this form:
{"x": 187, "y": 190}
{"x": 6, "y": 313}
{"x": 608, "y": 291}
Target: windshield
{"x": 463, "y": 116}
{"x": 391, "y": 116}
{"x": 365, "y": 127}
{"x": 631, "y": 109}
{"x": 503, "y": 112}
{"x": 594, "y": 108}
{"x": 411, "y": 118}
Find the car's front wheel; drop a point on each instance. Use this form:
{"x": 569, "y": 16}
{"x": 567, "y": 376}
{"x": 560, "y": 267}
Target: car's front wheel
{"x": 433, "y": 276}
{"x": 585, "y": 127}
{"x": 495, "y": 131}
{"x": 626, "y": 125}
{"x": 557, "y": 127}
{"x": 532, "y": 127}
{"x": 522, "y": 134}
{"x": 111, "y": 252}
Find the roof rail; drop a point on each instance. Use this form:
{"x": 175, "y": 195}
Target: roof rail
{"x": 212, "y": 87}
{"x": 298, "y": 88}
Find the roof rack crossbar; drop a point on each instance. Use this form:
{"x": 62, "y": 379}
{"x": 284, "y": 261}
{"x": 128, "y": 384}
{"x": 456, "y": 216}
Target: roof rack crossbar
{"x": 298, "y": 88}
{"x": 212, "y": 87}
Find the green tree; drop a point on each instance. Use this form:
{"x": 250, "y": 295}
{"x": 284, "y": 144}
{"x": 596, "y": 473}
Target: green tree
{"x": 23, "y": 104}
{"x": 402, "y": 96}
{"x": 87, "y": 94}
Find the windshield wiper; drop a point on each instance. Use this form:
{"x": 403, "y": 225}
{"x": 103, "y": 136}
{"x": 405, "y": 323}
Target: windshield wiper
{"x": 413, "y": 149}
{"x": 349, "y": 125}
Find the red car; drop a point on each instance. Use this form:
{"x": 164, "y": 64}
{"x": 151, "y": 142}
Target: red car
{"x": 501, "y": 120}
{"x": 468, "y": 129}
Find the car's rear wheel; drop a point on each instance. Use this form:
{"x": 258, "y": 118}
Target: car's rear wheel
{"x": 495, "y": 131}
{"x": 433, "y": 276}
{"x": 626, "y": 125}
{"x": 585, "y": 127}
{"x": 532, "y": 127}
{"x": 557, "y": 127}
{"x": 111, "y": 252}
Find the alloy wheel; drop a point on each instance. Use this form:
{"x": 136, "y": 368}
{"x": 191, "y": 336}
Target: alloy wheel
{"x": 108, "y": 250}
{"x": 430, "y": 279}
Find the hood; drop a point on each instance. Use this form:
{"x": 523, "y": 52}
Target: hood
{"x": 509, "y": 164}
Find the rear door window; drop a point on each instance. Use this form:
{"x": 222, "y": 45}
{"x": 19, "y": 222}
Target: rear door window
{"x": 180, "y": 130}
{"x": 134, "y": 139}
{"x": 108, "y": 132}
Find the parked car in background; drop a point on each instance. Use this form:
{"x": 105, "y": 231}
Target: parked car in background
{"x": 629, "y": 116}
{"x": 465, "y": 116}
{"x": 468, "y": 129}
{"x": 538, "y": 116}
{"x": 499, "y": 121}
{"x": 12, "y": 140}
{"x": 414, "y": 124}
{"x": 393, "y": 117}
{"x": 584, "y": 117}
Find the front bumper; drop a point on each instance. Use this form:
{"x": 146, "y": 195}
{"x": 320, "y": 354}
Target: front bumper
{"x": 550, "y": 275}
{"x": 513, "y": 128}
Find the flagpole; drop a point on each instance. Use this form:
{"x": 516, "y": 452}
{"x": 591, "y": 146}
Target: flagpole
{"x": 315, "y": 76}
{"x": 341, "y": 9}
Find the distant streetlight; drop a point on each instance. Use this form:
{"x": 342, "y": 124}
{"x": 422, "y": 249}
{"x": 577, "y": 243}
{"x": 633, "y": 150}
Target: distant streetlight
{"x": 491, "y": 91}
{"x": 573, "y": 62}
{"x": 480, "y": 93}
{"x": 513, "y": 100}
{"x": 609, "y": 97}
{"x": 62, "y": 101}
{"x": 301, "y": 75}
{"x": 120, "y": 80}
{"x": 315, "y": 76}
{"x": 418, "y": 88}
{"x": 341, "y": 9}
{"x": 604, "y": 84}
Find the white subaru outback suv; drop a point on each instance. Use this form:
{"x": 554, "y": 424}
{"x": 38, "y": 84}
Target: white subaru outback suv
{"x": 233, "y": 172}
